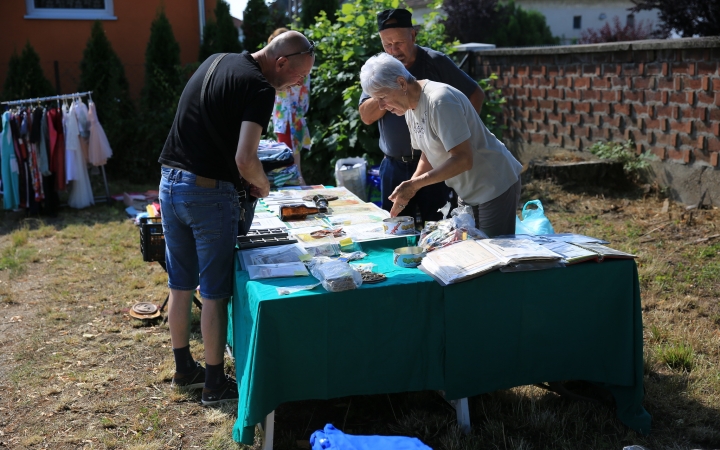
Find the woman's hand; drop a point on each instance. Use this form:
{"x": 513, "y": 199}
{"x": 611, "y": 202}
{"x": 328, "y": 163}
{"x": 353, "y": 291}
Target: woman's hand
{"x": 401, "y": 196}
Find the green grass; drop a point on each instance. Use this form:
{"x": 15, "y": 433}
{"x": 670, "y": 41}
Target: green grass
{"x": 679, "y": 357}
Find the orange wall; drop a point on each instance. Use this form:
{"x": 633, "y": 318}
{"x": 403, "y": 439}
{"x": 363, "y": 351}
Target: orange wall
{"x": 64, "y": 40}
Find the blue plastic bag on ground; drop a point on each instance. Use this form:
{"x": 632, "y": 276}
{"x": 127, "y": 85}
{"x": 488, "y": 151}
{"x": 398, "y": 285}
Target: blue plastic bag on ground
{"x": 533, "y": 220}
{"x": 330, "y": 438}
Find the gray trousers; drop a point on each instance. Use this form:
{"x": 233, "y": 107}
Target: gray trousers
{"x": 497, "y": 216}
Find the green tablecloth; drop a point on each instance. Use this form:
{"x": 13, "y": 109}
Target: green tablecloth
{"x": 409, "y": 334}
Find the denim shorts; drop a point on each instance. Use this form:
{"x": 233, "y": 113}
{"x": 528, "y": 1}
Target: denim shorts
{"x": 200, "y": 227}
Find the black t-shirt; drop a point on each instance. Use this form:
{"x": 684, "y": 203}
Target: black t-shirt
{"x": 237, "y": 92}
{"x": 431, "y": 65}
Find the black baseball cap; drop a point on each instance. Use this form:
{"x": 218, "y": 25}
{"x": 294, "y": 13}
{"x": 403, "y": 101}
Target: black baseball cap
{"x": 403, "y": 19}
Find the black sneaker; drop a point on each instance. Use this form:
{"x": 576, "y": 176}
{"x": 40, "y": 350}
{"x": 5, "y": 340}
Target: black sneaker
{"x": 192, "y": 380}
{"x": 227, "y": 393}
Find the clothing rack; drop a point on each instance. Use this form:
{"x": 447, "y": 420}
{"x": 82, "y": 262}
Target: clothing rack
{"x": 46, "y": 99}
{"x": 88, "y": 94}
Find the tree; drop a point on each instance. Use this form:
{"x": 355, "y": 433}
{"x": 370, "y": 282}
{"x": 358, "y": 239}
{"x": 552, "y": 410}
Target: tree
{"x": 25, "y": 78}
{"x": 163, "y": 86}
{"x": 162, "y": 65}
{"x": 492, "y": 22}
{"x": 687, "y": 18}
{"x": 617, "y": 33}
{"x": 517, "y": 27}
{"x": 257, "y": 25}
{"x": 220, "y": 35}
{"x": 102, "y": 72}
{"x": 312, "y": 8}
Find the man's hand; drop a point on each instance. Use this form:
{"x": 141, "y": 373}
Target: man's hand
{"x": 259, "y": 193}
{"x": 247, "y": 160}
{"x": 401, "y": 196}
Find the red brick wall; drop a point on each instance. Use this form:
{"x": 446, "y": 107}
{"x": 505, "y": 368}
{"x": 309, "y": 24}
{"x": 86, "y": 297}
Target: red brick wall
{"x": 664, "y": 95}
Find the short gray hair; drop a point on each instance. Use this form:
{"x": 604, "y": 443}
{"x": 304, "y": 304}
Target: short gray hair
{"x": 381, "y": 72}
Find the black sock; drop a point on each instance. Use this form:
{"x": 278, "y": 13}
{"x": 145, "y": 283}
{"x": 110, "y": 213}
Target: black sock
{"x": 184, "y": 362}
{"x": 214, "y": 376}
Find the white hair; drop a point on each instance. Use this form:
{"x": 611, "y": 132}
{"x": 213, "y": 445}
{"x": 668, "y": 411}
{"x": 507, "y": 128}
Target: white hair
{"x": 381, "y": 72}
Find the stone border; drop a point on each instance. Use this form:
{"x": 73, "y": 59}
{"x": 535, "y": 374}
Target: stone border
{"x": 652, "y": 44}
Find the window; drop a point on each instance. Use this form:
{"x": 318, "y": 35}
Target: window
{"x": 630, "y": 21}
{"x": 70, "y": 9}
{"x": 577, "y": 22}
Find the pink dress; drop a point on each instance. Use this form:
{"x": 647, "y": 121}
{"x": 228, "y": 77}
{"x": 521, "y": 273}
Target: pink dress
{"x": 99, "y": 148}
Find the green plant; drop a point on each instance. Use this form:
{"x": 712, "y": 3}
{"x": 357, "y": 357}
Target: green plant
{"x": 492, "y": 106}
{"x": 220, "y": 35}
{"x": 343, "y": 47}
{"x": 25, "y": 77}
{"x": 677, "y": 356}
{"x": 634, "y": 165}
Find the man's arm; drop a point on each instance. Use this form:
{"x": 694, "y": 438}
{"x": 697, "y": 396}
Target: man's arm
{"x": 370, "y": 112}
{"x": 477, "y": 98}
{"x": 247, "y": 160}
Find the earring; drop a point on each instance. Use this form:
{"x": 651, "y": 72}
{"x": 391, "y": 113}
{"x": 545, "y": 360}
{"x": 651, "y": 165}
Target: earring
{"x": 405, "y": 93}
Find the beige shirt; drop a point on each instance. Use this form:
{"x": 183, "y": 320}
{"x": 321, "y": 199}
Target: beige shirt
{"x": 443, "y": 119}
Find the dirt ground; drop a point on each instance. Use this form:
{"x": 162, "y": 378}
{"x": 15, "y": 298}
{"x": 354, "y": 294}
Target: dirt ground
{"x": 77, "y": 372}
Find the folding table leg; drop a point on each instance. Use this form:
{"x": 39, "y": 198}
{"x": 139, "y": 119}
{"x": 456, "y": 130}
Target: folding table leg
{"x": 463, "y": 414}
{"x": 267, "y": 430}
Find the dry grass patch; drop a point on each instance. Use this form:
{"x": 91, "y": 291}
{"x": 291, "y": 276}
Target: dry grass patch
{"x": 78, "y": 372}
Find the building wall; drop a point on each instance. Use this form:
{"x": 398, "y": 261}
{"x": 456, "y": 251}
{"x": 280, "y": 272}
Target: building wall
{"x": 662, "y": 94}
{"x": 560, "y": 14}
{"x": 64, "y": 40}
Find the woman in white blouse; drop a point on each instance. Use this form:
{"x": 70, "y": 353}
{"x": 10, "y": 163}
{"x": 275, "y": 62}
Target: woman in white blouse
{"x": 456, "y": 146}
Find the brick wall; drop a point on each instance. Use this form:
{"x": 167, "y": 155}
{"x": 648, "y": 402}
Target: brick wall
{"x": 662, "y": 94}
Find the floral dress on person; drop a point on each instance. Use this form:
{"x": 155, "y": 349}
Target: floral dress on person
{"x": 290, "y": 108}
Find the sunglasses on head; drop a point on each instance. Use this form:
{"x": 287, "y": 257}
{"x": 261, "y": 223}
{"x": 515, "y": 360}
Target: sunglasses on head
{"x": 310, "y": 51}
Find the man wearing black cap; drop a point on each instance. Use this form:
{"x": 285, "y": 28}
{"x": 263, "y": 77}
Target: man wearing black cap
{"x": 398, "y": 39}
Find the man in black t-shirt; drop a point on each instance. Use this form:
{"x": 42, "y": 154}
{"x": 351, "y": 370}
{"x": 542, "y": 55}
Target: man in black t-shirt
{"x": 210, "y": 145}
{"x": 398, "y": 38}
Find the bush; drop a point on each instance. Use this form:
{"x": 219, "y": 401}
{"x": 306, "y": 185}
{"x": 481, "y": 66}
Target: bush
{"x": 492, "y": 22}
{"x": 343, "y": 47}
{"x": 220, "y": 35}
{"x": 617, "y": 33}
{"x": 102, "y": 72}
{"x": 517, "y": 27}
{"x": 25, "y": 78}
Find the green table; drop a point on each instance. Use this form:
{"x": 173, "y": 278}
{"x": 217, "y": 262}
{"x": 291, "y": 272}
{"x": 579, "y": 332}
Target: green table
{"x": 409, "y": 333}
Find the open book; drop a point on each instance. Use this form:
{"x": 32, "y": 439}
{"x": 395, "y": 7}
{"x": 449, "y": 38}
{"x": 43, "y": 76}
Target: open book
{"x": 472, "y": 258}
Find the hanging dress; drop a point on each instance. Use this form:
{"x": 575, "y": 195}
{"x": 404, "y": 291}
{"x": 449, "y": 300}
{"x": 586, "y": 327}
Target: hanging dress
{"x": 81, "y": 112}
{"x": 57, "y": 147}
{"x": 81, "y": 195}
{"x": 291, "y": 105}
{"x": 9, "y": 166}
{"x": 99, "y": 148}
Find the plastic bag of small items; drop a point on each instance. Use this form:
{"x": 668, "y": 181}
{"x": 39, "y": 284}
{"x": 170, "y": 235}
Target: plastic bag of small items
{"x": 337, "y": 276}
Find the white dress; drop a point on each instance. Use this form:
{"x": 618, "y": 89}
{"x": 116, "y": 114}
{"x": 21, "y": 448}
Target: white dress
{"x": 81, "y": 195}
{"x": 99, "y": 149}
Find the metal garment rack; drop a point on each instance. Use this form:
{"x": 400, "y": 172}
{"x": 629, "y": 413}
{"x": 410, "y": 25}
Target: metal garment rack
{"x": 57, "y": 98}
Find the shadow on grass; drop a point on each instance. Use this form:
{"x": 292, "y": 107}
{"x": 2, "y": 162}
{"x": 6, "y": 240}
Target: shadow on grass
{"x": 521, "y": 418}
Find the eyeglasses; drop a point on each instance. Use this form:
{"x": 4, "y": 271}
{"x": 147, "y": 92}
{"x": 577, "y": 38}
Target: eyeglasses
{"x": 310, "y": 51}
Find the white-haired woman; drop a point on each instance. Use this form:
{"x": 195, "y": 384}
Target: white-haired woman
{"x": 456, "y": 146}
